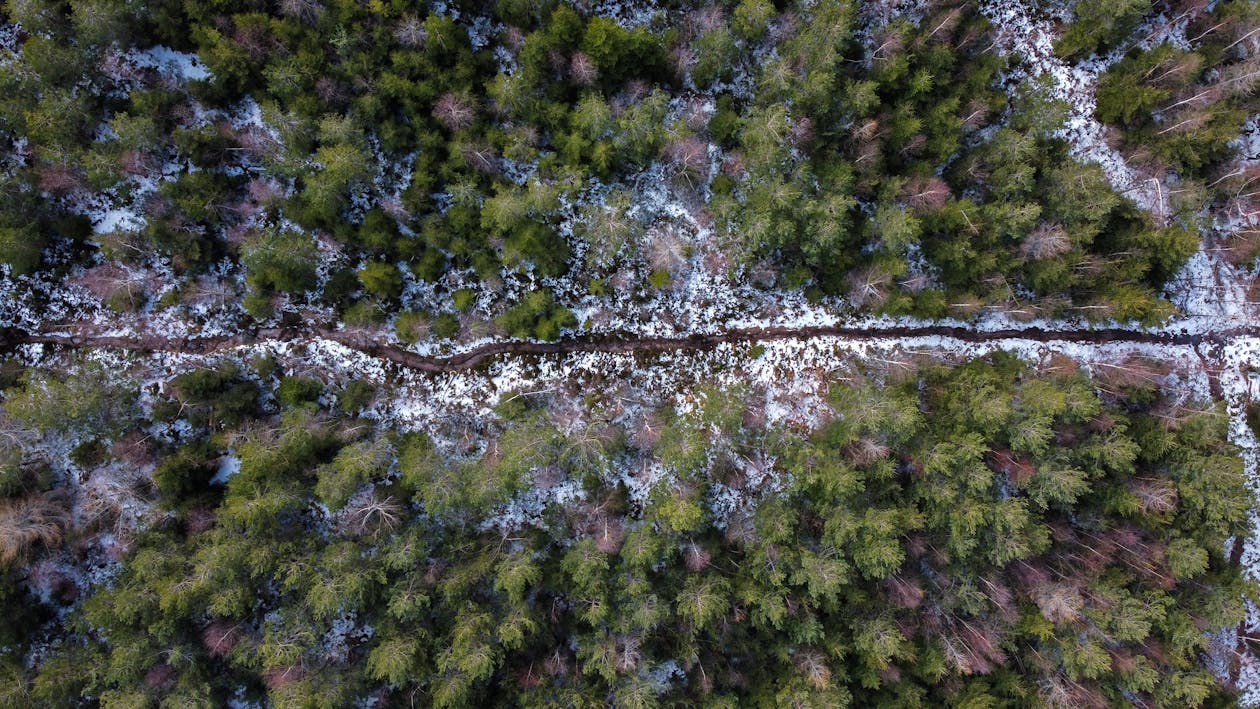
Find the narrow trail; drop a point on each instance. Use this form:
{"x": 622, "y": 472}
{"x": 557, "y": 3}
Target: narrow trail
{"x": 366, "y": 342}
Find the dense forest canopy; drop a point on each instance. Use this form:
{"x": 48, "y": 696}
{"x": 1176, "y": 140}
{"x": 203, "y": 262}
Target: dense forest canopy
{"x": 400, "y": 163}
{"x": 981, "y": 534}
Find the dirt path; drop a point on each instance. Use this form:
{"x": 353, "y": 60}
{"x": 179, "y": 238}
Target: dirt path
{"x": 367, "y": 343}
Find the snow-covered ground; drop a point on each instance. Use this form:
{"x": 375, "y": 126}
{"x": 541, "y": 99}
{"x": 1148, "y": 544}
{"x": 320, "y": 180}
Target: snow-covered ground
{"x": 789, "y": 377}
{"x": 1020, "y": 31}
{"x": 181, "y": 66}
{"x": 1240, "y": 385}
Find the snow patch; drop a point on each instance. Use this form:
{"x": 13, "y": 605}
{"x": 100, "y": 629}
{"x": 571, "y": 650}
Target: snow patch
{"x": 229, "y": 465}
{"x": 178, "y": 65}
{"x": 1017, "y": 31}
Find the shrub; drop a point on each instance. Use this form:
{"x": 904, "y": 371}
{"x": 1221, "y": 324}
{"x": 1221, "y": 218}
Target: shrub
{"x": 280, "y": 260}
{"x": 1099, "y": 24}
{"x": 87, "y": 401}
{"x": 31, "y": 522}
{"x": 411, "y": 326}
{"x": 186, "y": 472}
{"x": 353, "y": 466}
{"x": 220, "y": 396}
{"x": 446, "y": 326}
{"x": 295, "y": 392}
{"x": 21, "y": 248}
{"x": 464, "y": 298}
{"x": 355, "y": 395}
{"x": 537, "y": 315}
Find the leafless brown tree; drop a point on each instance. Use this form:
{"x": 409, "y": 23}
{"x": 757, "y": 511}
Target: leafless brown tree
{"x": 454, "y": 111}
{"x": 1045, "y": 242}
{"x": 307, "y": 11}
{"x": 583, "y": 69}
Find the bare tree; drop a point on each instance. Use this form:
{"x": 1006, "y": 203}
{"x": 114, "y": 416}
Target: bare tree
{"x": 924, "y": 193}
{"x": 410, "y": 32}
{"x": 1058, "y": 602}
{"x": 904, "y": 592}
{"x": 868, "y": 287}
{"x": 689, "y": 157}
{"x": 695, "y": 557}
{"x": 482, "y": 158}
{"x": 160, "y": 677}
{"x": 368, "y": 514}
{"x": 454, "y": 111}
{"x": 583, "y": 69}
{"x": 887, "y": 43}
{"x": 59, "y": 178}
{"x": 1058, "y": 691}
{"x": 277, "y": 677}
{"x": 1156, "y": 496}
{"x": 628, "y": 654}
{"x": 812, "y": 663}
{"x": 1134, "y": 370}
{"x": 608, "y": 535}
{"x": 120, "y": 285}
{"x": 865, "y": 451}
{"x": 666, "y": 249}
{"x": 1045, "y": 242}
{"x": 307, "y": 11}
{"x": 557, "y": 663}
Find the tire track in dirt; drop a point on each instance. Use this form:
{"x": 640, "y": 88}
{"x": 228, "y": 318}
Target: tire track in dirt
{"x": 369, "y": 344}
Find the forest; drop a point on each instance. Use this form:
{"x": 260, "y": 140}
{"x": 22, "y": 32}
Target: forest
{"x": 979, "y": 534}
{"x": 468, "y": 170}
{"x": 250, "y": 455}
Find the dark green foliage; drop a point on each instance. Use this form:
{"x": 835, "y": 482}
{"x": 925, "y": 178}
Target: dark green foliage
{"x": 13, "y": 477}
{"x": 20, "y": 247}
{"x": 1124, "y": 97}
{"x": 943, "y": 524}
{"x": 1098, "y": 25}
{"x": 186, "y": 471}
{"x": 89, "y": 454}
{"x": 621, "y": 53}
{"x": 219, "y": 397}
{"x": 849, "y": 159}
{"x": 446, "y": 325}
{"x": 295, "y": 391}
{"x": 537, "y": 245}
{"x": 278, "y": 260}
{"x": 354, "y": 396}
{"x": 19, "y": 475}
{"x": 538, "y": 316}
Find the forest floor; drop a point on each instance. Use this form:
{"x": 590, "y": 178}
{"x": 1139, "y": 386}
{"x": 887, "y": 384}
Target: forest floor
{"x": 1212, "y": 349}
{"x": 89, "y": 337}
